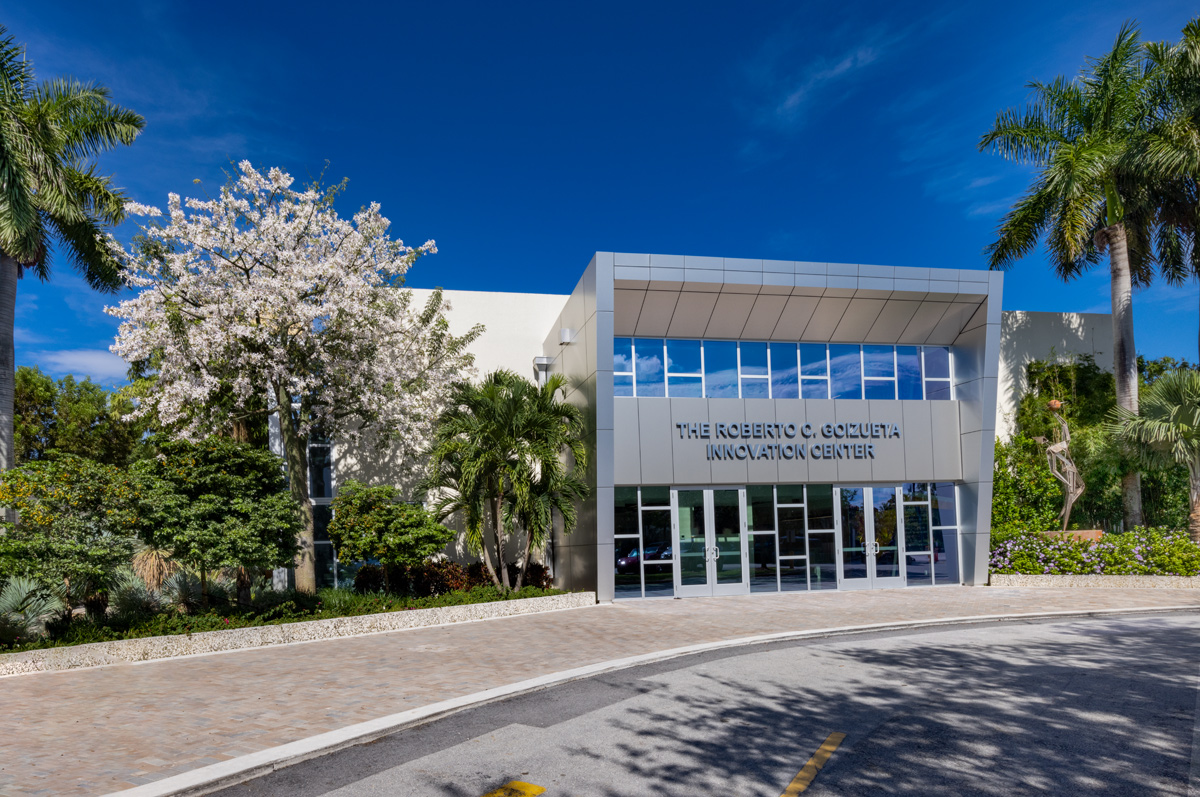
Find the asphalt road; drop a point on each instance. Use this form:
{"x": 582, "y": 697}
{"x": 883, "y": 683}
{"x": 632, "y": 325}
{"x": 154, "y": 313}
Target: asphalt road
{"x": 1080, "y": 707}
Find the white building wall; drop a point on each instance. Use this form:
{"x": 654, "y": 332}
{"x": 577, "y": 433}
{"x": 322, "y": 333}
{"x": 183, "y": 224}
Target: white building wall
{"x": 1026, "y": 336}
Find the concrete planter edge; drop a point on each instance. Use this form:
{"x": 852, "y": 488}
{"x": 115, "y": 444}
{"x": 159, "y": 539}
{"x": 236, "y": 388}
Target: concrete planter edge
{"x": 126, "y": 651}
{"x": 1114, "y": 582}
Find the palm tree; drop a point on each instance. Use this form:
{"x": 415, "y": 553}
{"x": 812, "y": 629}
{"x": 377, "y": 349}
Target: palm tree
{"x": 51, "y": 196}
{"x": 506, "y": 454}
{"x": 1168, "y": 430}
{"x": 1088, "y": 196}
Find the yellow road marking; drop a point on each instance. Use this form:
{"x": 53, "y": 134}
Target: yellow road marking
{"x": 515, "y": 788}
{"x": 805, "y": 777}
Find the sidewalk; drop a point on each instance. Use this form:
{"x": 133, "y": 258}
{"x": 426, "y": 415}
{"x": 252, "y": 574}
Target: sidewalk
{"x": 88, "y": 732}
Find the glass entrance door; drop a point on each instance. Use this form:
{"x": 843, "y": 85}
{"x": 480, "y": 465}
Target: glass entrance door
{"x": 710, "y": 535}
{"x": 869, "y": 538}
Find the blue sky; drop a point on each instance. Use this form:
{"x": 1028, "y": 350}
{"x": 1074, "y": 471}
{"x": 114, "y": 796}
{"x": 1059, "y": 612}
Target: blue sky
{"x": 524, "y": 137}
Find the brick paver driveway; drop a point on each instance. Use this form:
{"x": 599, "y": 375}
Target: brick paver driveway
{"x": 94, "y": 731}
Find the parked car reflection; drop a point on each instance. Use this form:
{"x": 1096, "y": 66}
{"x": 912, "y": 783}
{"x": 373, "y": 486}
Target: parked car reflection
{"x": 658, "y": 559}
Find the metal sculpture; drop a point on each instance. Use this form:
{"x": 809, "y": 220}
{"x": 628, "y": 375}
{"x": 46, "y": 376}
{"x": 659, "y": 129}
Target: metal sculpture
{"x": 1059, "y": 458}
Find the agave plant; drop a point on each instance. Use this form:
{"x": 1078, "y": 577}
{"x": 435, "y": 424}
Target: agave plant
{"x": 26, "y": 606}
{"x": 154, "y": 566}
{"x": 130, "y": 598}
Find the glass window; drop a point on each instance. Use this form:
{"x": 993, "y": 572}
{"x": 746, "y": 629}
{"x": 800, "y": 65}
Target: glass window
{"x": 320, "y": 472}
{"x": 656, "y": 534}
{"x": 916, "y": 527}
{"x": 845, "y": 372}
{"x": 756, "y": 388}
{"x": 783, "y": 371}
{"x": 683, "y": 356}
{"x": 918, "y": 570}
{"x": 820, "y": 506}
{"x": 754, "y": 359}
{"x": 879, "y": 388}
{"x": 625, "y": 520}
{"x": 793, "y": 576}
{"x": 791, "y": 531}
{"x": 623, "y": 355}
{"x": 648, "y": 367}
{"x": 908, "y": 372}
{"x": 936, "y": 390}
{"x": 814, "y": 388}
{"x": 628, "y": 578}
{"x": 944, "y": 511}
{"x": 762, "y": 563}
{"x": 790, "y": 493}
{"x": 685, "y": 387}
{"x": 622, "y": 384}
{"x": 761, "y": 498}
{"x": 656, "y": 496}
{"x": 322, "y": 514}
{"x": 720, "y": 369}
{"x": 945, "y": 556}
{"x": 325, "y": 564}
{"x": 822, "y": 559}
{"x": 937, "y": 362}
{"x": 878, "y": 361}
{"x": 916, "y": 491}
{"x": 812, "y": 360}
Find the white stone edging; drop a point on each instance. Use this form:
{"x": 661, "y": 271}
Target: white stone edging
{"x": 124, "y": 651}
{"x": 214, "y": 777}
{"x": 1115, "y": 582}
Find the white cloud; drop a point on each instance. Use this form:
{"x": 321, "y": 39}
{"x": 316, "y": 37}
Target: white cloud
{"x": 102, "y": 366}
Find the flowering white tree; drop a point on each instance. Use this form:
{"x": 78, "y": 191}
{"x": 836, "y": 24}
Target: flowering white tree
{"x": 264, "y": 301}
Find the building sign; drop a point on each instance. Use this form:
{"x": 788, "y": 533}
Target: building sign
{"x": 789, "y": 440}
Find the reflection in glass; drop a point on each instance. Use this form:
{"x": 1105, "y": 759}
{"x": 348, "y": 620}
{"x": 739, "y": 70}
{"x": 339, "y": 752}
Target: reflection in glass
{"x": 656, "y": 496}
{"x": 916, "y": 491}
{"x": 685, "y": 387}
{"x": 945, "y": 556}
{"x": 754, "y": 358}
{"x": 937, "y": 391}
{"x": 683, "y": 356}
{"x": 720, "y": 369}
{"x": 879, "y": 389}
{"x": 762, "y": 563}
{"x": 916, "y": 527}
{"x": 918, "y": 572}
{"x": 648, "y": 367}
{"x": 783, "y": 371}
{"x": 937, "y": 362}
{"x": 760, "y": 513}
{"x": 323, "y": 556}
{"x": 944, "y": 513}
{"x": 814, "y": 388}
{"x": 854, "y": 534}
{"x": 756, "y": 388}
{"x": 812, "y": 360}
{"x": 623, "y": 384}
{"x": 791, "y": 531}
{"x": 845, "y": 372}
{"x": 628, "y": 577}
{"x": 692, "y": 569}
{"x": 623, "y": 355}
{"x": 887, "y": 532}
{"x": 656, "y": 533}
{"x": 661, "y": 585}
{"x": 908, "y": 372}
{"x": 790, "y": 493}
{"x": 878, "y": 361}
{"x": 625, "y": 520}
{"x": 727, "y": 525}
{"x": 820, "y": 506}
{"x": 793, "y": 575}
{"x": 822, "y": 560}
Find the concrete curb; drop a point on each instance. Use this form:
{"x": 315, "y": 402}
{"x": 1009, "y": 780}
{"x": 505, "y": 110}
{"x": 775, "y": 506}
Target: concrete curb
{"x": 238, "y": 770}
{"x": 132, "y": 651}
{"x": 1092, "y": 581}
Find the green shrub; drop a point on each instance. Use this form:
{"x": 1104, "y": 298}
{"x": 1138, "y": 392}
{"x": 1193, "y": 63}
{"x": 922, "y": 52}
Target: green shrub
{"x": 1159, "y": 552}
{"x": 1025, "y": 494}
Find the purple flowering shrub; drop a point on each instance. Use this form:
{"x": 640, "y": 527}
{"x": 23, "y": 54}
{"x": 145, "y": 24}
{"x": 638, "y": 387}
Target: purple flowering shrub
{"x": 1139, "y": 552}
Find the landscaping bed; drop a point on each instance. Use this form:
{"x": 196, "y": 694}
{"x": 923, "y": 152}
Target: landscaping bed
{"x": 1139, "y": 552}
{"x": 448, "y": 608}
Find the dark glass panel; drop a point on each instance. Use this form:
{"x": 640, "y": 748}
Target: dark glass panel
{"x": 625, "y": 520}
{"x": 790, "y": 493}
{"x": 937, "y": 391}
{"x": 822, "y": 561}
{"x": 916, "y": 491}
{"x": 656, "y": 533}
{"x": 908, "y": 372}
{"x": 854, "y": 533}
{"x": 878, "y": 361}
{"x": 879, "y": 389}
{"x": 320, "y": 472}
{"x": 628, "y": 577}
{"x": 754, "y": 358}
{"x": 322, "y": 514}
{"x": 791, "y": 531}
{"x": 762, "y": 563}
{"x": 945, "y": 556}
{"x": 820, "y": 506}
{"x": 656, "y": 496}
{"x": 323, "y": 557}
{"x": 918, "y": 572}
{"x": 916, "y": 527}
{"x": 761, "y": 500}
{"x": 793, "y": 575}
{"x": 937, "y": 362}
{"x": 944, "y": 510}
{"x": 683, "y": 356}
{"x": 812, "y": 360}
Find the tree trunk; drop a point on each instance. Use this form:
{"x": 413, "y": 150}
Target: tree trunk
{"x": 498, "y": 526}
{"x": 203, "y": 588}
{"x": 524, "y": 561}
{"x": 243, "y": 586}
{"x": 9, "y": 273}
{"x": 1124, "y": 357}
{"x": 1194, "y": 506}
{"x": 295, "y": 453}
